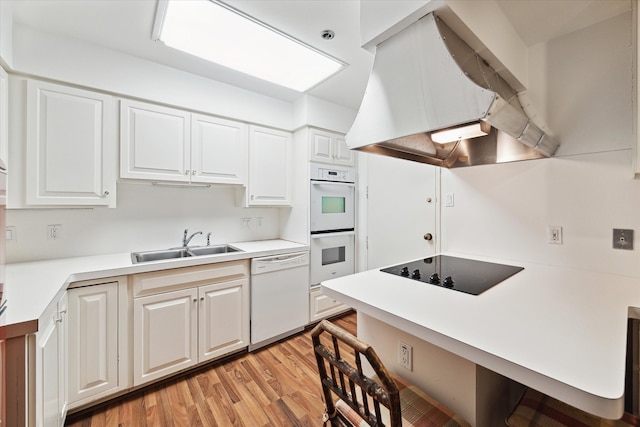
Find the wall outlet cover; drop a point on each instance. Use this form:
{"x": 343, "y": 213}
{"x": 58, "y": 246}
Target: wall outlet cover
{"x": 622, "y": 239}
{"x": 554, "y": 234}
{"x": 405, "y": 355}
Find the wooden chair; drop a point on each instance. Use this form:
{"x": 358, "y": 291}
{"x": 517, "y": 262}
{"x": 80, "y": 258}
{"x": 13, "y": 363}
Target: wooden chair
{"x": 539, "y": 410}
{"x": 380, "y": 400}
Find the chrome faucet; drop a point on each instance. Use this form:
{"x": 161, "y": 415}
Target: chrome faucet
{"x": 186, "y": 240}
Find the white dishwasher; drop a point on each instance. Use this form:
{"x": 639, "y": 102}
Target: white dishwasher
{"x": 279, "y": 297}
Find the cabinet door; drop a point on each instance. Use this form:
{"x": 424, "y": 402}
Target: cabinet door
{"x": 269, "y": 167}
{"x": 218, "y": 150}
{"x": 63, "y": 354}
{"x": 322, "y": 306}
{"x": 320, "y": 150}
{"x": 48, "y": 389}
{"x": 223, "y": 318}
{"x": 70, "y": 146}
{"x": 342, "y": 155}
{"x": 154, "y": 142}
{"x": 50, "y": 401}
{"x": 93, "y": 342}
{"x": 165, "y": 334}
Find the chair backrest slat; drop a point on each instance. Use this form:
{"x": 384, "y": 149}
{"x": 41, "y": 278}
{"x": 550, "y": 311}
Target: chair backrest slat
{"x": 381, "y": 392}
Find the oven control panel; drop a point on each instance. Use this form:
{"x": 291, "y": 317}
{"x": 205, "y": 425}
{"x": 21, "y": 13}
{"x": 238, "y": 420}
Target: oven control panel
{"x": 337, "y": 174}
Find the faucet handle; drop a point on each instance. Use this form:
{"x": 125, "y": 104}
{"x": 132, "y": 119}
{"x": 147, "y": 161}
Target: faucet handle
{"x": 208, "y": 237}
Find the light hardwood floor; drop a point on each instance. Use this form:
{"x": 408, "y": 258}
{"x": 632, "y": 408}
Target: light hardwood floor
{"x": 274, "y": 386}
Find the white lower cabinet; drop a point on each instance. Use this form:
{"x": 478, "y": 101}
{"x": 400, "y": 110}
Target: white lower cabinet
{"x": 165, "y": 330}
{"x": 223, "y": 318}
{"x": 93, "y": 350}
{"x": 177, "y": 325}
{"x": 50, "y": 378}
{"x": 322, "y": 306}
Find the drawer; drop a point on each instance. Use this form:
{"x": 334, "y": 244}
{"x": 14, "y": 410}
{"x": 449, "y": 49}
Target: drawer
{"x": 322, "y": 306}
{"x": 156, "y": 282}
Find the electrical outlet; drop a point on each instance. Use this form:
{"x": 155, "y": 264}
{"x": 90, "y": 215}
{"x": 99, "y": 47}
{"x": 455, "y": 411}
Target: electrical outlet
{"x": 405, "y": 355}
{"x": 622, "y": 239}
{"x": 246, "y": 223}
{"x": 54, "y": 232}
{"x": 554, "y": 234}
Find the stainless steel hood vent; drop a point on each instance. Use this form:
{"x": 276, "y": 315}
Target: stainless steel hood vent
{"x": 427, "y": 79}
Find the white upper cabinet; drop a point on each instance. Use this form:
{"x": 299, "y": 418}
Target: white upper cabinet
{"x": 154, "y": 142}
{"x": 329, "y": 147}
{"x": 168, "y": 144}
{"x": 270, "y": 167}
{"x": 70, "y": 146}
{"x": 218, "y": 150}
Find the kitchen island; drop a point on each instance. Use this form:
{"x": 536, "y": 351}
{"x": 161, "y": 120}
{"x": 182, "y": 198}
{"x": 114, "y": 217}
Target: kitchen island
{"x": 558, "y": 330}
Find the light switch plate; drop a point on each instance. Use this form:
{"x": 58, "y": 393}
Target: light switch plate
{"x": 622, "y": 239}
{"x": 11, "y": 234}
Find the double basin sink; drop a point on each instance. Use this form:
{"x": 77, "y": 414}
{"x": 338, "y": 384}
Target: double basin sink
{"x": 175, "y": 253}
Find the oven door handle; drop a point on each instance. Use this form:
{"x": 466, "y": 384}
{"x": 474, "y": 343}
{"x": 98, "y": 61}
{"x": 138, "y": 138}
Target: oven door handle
{"x": 336, "y": 234}
{"x": 344, "y": 184}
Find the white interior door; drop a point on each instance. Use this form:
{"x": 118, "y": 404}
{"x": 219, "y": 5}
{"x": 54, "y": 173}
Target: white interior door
{"x": 399, "y": 212}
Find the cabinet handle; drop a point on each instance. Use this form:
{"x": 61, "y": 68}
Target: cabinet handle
{"x": 193, "y": 172}
{"x": 187, "y": 172}
{"x": 105, "y": 194}
{"x": 195, "y": 300}
{"x": 201, "y": 298}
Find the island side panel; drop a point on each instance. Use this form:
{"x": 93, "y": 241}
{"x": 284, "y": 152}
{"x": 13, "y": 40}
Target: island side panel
{"x": 448, "y": 378}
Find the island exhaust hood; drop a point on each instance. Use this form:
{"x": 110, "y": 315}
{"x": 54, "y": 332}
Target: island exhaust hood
{"x": 426, "y": 80}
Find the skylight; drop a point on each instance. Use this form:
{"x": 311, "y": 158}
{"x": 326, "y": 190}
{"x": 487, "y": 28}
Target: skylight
{"x": 214, "y": 31}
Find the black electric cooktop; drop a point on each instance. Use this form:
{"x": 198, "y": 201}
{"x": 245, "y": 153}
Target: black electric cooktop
{"x": 459, "y": 274}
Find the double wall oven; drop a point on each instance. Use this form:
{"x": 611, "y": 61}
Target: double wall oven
{"x": 332, "y": 223}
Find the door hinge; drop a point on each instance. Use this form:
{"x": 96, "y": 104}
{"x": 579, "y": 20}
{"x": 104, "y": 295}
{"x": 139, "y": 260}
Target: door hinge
{"x": 366, "y": 242}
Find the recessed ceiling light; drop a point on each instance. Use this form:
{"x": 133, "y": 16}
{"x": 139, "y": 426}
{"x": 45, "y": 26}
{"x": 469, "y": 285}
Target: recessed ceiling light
{"x": 218, "y": 33}
{"x": 327, "y": 35}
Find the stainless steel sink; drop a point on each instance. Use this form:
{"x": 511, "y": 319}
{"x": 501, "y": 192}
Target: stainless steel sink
{"x": 148, "y": 256}
{"x": 213, "y": 250}
{"x": 137, "y": 257}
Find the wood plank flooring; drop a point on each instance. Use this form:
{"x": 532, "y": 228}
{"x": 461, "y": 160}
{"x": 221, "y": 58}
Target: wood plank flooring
{"x": 274, "y": 386}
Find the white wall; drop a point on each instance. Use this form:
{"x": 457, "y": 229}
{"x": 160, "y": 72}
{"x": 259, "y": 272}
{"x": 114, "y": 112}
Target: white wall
{"x": 82, "y": 63}
{"x": 147, "y": 218}
{"x": 584, "y": 82}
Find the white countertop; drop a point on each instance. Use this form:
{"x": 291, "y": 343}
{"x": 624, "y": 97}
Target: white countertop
{"x": 31, "y": 286}
{"x": 559, "y": 330}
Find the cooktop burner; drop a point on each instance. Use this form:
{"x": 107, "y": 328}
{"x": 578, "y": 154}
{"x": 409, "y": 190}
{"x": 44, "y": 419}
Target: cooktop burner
{"x": 460, "y": 274}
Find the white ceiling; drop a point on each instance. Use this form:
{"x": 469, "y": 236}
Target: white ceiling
{"x": 125, "y": 25}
